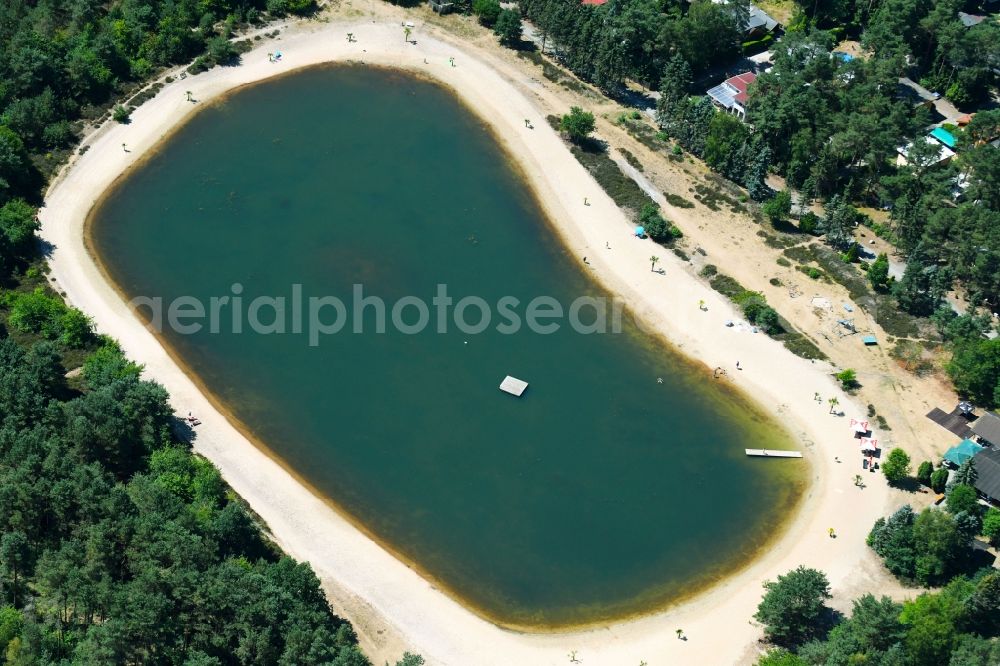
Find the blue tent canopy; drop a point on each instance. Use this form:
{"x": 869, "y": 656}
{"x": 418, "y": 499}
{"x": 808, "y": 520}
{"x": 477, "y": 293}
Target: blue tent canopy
{"x": 962, "y": 452}
{"x": 944, "y": 136}
{"x": 640, "y": 231}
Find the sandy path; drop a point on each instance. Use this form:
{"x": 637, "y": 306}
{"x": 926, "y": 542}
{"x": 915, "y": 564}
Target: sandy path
{"x": 391, "y": 605}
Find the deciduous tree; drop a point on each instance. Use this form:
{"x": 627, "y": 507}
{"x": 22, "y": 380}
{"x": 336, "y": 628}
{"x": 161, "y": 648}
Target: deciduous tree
{"x": 508, "y": 27}
{"x": 778, "y": 207}
{"x": 488, "y": 11}
{"x": 878, "y": 272}
{"x": 896, "y": 466}
{"x": 975, "y": 369}
{"x": 991, "y": 526}
{"x": 962, "y": 498}
{"x": 794, "y": 606}
{"x": 577, "y": 124}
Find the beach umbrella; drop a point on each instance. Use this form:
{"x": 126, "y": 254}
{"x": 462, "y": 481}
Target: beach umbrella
{"x": 869, "y": 444}
{"x": 640, "y": 231}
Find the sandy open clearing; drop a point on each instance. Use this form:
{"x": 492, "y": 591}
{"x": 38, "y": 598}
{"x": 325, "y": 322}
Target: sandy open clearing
{"x": 391, "y": 606}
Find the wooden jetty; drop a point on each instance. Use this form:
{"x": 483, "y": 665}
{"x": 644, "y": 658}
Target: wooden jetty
{"x": 773, "y": 453}
{"x": 513, "y": 385}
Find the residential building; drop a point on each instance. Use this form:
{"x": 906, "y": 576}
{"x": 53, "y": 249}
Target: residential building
{"x": 943, "y": 156}
{"x": 759, "y": 23}
{"x": 441, "y": 6}
{"x": 731, "y": 94}
{"x": 987, "y": 428}
{"x": 987, "y": 464}
{"x": 970, "y": 20}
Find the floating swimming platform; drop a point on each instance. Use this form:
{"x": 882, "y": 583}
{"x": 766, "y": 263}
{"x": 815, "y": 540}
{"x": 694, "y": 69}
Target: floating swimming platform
{"x": 773, "y": 453}
{"x": 513, "y": 385}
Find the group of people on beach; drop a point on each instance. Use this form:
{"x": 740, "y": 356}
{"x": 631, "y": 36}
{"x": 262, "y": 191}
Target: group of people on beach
{"x": 721, "y": 372}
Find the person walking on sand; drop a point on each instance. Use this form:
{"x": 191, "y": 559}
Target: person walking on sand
{"x": 833, "y": 535}
{"x": 451, "y": 61}
{"x": 738, "y": 365}
{"x": 607, "y": 245}
{"x": 586, "y": 202}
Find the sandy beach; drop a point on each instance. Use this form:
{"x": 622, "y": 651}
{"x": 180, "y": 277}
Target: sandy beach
{"x": 392, "y": 607}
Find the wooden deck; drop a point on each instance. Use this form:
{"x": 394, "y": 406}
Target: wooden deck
{"x": 954, "y": 422}
{"x": 772, "y": 453}
{"x": 513, "y": 385}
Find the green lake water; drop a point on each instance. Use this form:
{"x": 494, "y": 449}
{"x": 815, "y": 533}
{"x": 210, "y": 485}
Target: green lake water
{"x": 599, "y": 493}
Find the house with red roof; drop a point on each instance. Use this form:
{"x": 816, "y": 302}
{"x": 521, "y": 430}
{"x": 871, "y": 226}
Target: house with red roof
{"x": 731, "y": 94}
